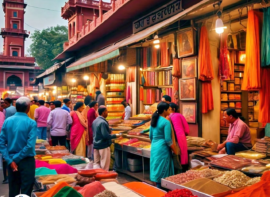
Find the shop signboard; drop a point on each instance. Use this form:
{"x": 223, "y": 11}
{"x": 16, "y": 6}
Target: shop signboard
{"x": 49, "y": 80}
{"x": 160, "y": 14}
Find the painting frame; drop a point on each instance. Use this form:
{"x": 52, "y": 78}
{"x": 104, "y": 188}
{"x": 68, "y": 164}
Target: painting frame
{"x": 185, "y": 89}
{"x": 184, "y": 62}
{"x": 187, "y": 48}
{"x": 185, "y": 106}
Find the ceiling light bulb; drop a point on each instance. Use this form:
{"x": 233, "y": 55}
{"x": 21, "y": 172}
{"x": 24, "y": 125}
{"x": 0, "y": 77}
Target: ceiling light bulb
{"x": 54, "y": 92}
{"x": 121, "y": 67}
{"x": 157, "y": 46}
{"x": 219, "y": 26}
{"x": 85, "y": 77}
{"x": 73, "y": 80}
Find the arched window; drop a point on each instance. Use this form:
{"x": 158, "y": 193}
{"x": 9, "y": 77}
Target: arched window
{"x": 74, "y": 29}
{"x": 13, "y": 80}
{"x": 15, "y": 53}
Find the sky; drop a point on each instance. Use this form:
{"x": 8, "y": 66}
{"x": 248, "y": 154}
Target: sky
{"x": 39, "y": 19}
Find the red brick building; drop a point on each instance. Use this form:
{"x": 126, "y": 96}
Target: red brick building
{"x": 16, "y": 70}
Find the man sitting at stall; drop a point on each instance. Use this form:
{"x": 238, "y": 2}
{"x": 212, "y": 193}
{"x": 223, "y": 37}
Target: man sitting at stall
{"x": 239, "y": 138}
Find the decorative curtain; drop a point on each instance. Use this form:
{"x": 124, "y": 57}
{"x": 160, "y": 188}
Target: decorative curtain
{"x": 224, "y": 64}
{"x": 265, "y": 46}
{"x": 206, "y": 71}
{"x": 252, "y": 72}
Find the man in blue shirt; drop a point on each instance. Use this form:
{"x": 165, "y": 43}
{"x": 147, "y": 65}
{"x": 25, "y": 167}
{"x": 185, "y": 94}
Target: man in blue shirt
{"x": 17, "y": 144}
{"x": 10, "y": 109}
{"x": 66, "y": 105}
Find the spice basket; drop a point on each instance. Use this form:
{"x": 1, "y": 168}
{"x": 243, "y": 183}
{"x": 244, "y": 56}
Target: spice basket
{"x": 172, "y": 186}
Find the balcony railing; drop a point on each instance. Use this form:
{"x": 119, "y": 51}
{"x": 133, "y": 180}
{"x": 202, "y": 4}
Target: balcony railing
{"x": 88, "y": 27}
{"x": 17, "y": 59}
{"x": 11, "y": 30}
{"x": 73, "y": 3}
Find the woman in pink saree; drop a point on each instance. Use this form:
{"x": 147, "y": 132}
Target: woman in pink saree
{"x": 78, "y": 134}
{"x": 181, "y": 129}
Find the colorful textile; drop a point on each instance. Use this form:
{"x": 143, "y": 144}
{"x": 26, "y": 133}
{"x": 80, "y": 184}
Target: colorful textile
{"x": 181, "y": 129}
{"x": 56, "y": 161}
{"x": 224, "y": 67}
{"x": 60, "y": 168}
{"x": 206, "y": 70}
{"x": 164, "y": 54}
{"x": 31, "y": 113}
{"x": 175, "y": 90}
{"x": 265, "y": 45}
{"x": 41, "y": 114}
{"x": 252, "y": 72}
{"x": 18, "y": 138}
{"x": 145, "y": 189}
{"x": 2, "y": 119}
{"x": 75, "y": 161}
{"x": 161, "y": 163}
{"x": 67, "y": 192}
{"x": 264, "y": 115}
{"x": 81, "y": 147}
{"x": 92, "y": 189}
{"x": 45, "y": 171}
{"x": 78, "y": 128}
{"x": 51, "y": 192}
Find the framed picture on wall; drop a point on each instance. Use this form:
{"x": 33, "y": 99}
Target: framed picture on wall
{"x": 187, "y": 89}
{"x": 185, "y": 42}
{"x": 189, "y": 67}
{"x": 189, "y": 111}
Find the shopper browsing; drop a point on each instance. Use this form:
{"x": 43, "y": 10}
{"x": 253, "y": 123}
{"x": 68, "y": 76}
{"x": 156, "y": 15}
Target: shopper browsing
{"x": 33, "y": 107}
{"x": 41, "y": 116}
{"x": 17, "y": 144}
{"x": 91, "y": 116}
{"x": 58, "y": 120}
{"x": 161, "y": 163}
{"x": 100, "y": 98}
{"x": 10, "y": 109}
{"x": 66, "y": 105}
{"x": 239, "y": 138}
{"x": 102, "y": 139}
{"x": 52, "y": 106}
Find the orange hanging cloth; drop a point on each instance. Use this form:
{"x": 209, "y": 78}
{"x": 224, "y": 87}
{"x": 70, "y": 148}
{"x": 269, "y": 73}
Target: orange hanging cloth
{"x": 252, "y": 72}
{"x": 206, "y": 71}
{"x": 264, "y": 115}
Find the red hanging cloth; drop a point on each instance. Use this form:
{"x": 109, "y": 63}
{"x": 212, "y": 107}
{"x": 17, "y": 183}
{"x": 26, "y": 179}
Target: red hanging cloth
{"x": 264, "y": 114}
{"x": 252, "y": 72}
{"x": 224, "y": 64}
{"x": 206, "y": 71}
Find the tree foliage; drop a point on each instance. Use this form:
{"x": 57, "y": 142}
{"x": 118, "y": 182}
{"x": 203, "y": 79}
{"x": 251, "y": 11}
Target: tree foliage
{"x": 47, "y": 44}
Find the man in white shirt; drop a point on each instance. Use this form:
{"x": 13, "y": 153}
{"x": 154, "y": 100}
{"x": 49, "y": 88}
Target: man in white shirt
{"x": 127, "y": 110}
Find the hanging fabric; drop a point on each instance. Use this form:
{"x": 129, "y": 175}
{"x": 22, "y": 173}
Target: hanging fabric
{"x": 175, "y": 90}
{"x": 141, "y": 93}
{"x": 131, "y": 74}
{"x": 154, "y": 57}
{"x": 164, "y": 54}
{"x": 176, "y": 72}
{"x": 224, "y": 67}
{"x": 206, "y": 71}
{"x": 265, "y": 46}
{"x": 264, "y": 115}
{"x": 252, "y": 72}
{"x": 149, "y": 57}
{"x": 231, "y": 58}
{"x": 144, "y": 57}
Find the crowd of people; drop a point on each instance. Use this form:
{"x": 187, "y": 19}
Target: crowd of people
{"x": 84, "y": 130}
{"x": 81, "y": 127}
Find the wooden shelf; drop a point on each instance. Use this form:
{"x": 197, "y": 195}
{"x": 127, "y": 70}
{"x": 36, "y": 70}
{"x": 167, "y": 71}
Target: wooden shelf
{"x": 150, "y": 86}
{"x": 231, "y": 91}
{"x": 166, "y": 86}
{"x": 115, "y": 91}
{"x": 158, "y": 68}
{"x": 232, "y": 101}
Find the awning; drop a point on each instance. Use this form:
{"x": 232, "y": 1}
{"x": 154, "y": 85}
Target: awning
{"x": 94, "y": 58}
{"x": 113, "y": 50}
{"x": 54, "y": 68}
{"x": 49, "y": 80}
